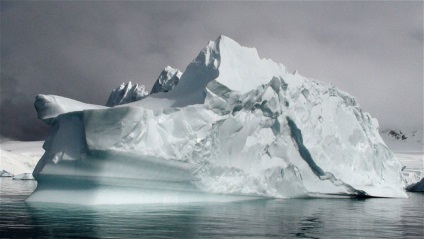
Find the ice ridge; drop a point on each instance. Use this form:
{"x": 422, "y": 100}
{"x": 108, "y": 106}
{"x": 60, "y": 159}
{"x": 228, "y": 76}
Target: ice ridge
{"x": 126, "y": 93}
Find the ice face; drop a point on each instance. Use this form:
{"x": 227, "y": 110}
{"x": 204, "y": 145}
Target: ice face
{"x": 167, "y": 80}
{"x": 235, "y": 124}
{"x": 416, "y": 187}
{"x": 126, "y": 93}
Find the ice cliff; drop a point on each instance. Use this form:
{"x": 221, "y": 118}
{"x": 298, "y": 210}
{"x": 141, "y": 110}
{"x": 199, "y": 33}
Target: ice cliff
{"x": 235, "y": 125}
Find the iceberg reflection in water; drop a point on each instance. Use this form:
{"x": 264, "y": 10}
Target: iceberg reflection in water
{"x": 283, "y": 218}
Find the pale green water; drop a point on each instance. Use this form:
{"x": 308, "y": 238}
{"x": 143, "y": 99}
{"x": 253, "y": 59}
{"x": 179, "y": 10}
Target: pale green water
{"x": 290, "y": 218}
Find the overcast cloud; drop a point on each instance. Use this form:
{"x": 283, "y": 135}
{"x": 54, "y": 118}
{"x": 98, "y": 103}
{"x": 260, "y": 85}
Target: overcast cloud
{"x": 82, "y": 50}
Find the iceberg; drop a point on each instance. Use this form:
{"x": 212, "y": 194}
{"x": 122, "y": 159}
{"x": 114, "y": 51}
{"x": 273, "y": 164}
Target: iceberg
{"x": 23, "y": 176}
{"x": 234, "y": 127}
{"x": 13, "y": 163}
{"x": 4, "y": 173}
{"x": 416, "y": 187}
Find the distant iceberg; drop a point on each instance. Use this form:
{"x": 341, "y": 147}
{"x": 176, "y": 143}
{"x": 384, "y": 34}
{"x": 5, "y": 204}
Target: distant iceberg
{"x": 15, "y": 163}
{"x": 234, "y": 126}
{"x": 24, "y": 176}
{"x": 4, "y": 173}
{"x": 416, "y": 187}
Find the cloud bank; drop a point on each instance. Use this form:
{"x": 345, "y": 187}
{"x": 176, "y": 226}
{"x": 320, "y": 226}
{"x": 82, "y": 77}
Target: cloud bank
{"x": 82, "y": 50}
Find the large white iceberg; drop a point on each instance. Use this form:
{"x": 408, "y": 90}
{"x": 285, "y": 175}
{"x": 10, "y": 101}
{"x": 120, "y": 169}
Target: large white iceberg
{"x": 235, "y": 126}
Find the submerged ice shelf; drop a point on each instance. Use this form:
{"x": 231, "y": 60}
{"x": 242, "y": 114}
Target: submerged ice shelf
{"x": 231, "y": 126}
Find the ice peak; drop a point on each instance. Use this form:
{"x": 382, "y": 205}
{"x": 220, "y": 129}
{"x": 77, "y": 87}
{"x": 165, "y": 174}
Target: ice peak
{"x": 167, "y": 80}
{"x": 126, "y": 93}
{"x": 223, "y": 38}
{"x": 224, "y": 61}
{"x": 241, "y": 69}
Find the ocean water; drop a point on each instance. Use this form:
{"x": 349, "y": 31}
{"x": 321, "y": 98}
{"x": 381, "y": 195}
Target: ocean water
{"x": 267, "y": 218}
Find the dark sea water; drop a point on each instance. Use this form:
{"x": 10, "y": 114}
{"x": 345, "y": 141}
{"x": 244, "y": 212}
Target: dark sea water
{"x": 289, "y": 218}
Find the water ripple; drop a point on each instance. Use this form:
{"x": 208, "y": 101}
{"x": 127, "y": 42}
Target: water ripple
{"x": 293, "y": 218}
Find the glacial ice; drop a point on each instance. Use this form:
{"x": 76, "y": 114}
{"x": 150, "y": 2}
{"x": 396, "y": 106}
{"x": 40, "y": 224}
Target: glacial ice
{"x": 416, "y": 187}
{"x": 126, "y": 93}
{"x": 23, "y": 176}
{"x": 167, "y": 80}
{"x": 4, "y": 173}
{"x": 12, "y": 163}
{"x": 49, "y": 107}
{"x": 235, "y": 126}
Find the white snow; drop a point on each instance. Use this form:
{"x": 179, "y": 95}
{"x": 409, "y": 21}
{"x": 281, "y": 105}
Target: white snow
{"x": 20, "y": 157}
{"x": 416, "y": 187}
{"x": 413, "y": 164}
{"x": 32, "y": 149}
{"x": 126, "y": 93}
{"x": 408, "y": 144}
{"x": 234, "y": 124}
{"x": 50, "y": 106}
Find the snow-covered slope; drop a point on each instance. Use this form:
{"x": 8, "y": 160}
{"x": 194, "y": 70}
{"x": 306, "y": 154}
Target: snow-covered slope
{"x": 167, "y": 80}
{"x": 404, "y": 140}
{"x": 126, "y": 93}
{"x": 19, "y": 158}
{"x": 33, "y": 149}
{"x": 234, "y": 125}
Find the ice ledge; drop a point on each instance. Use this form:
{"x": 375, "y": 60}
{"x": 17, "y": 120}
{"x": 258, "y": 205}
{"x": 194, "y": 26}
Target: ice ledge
{"x": 50, "y": 106}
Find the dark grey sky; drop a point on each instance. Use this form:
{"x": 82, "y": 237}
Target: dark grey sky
{"x": 82, "y": 50}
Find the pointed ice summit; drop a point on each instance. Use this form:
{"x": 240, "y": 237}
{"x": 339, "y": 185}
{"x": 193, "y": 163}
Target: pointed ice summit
{"x": 234, "y": 126}
{"x": 167, "y": 80}
{"x": 126, "y": 93}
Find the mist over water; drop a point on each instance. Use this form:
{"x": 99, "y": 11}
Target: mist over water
{"x": 289, "y": 218}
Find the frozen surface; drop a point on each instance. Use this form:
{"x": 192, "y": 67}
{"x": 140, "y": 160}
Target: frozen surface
{"x": 20, "y": 157}
{"x": 33, "y": 149}
{"x": 413, "y": 166}
{"x": 126, "y": 93}
{"x": 50, "y": 106}
{"x": 234, "y": 125}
